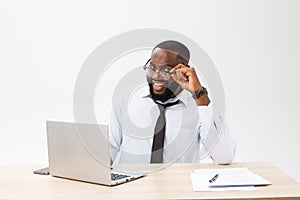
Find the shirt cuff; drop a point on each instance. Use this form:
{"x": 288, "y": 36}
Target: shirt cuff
{"x": 205, "y": 113}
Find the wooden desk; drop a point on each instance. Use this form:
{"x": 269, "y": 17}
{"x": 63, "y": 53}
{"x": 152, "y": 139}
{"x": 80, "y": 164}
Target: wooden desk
{"x": 174, "y": 182}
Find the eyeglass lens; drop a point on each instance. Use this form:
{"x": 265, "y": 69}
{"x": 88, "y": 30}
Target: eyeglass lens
{"x": 163, "y": 72}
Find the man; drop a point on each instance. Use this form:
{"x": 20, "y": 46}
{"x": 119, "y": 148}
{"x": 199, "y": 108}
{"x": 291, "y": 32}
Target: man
{"x": 166, "y": 120}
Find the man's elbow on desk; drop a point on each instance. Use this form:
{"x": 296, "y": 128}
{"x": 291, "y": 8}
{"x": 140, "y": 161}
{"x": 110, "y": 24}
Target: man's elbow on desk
{"x": 226, "y": 161}
{"x": 223, "y": 158}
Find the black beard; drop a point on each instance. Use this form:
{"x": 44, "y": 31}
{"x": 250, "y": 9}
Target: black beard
{"x": 168, "y": 94}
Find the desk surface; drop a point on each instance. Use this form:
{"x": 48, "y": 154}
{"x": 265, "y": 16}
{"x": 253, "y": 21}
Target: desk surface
{"x": 174, "y": 182}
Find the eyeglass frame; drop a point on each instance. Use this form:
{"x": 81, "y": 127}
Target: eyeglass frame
{"x": 159, "y": 71}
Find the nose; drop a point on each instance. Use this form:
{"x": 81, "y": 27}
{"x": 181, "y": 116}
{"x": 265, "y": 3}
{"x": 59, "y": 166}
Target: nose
{"x": 157, "y": 75}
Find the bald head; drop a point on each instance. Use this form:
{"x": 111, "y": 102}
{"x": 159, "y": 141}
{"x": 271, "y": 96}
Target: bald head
{"x": 164, "y": 57}
{"x": 181, "y": 51}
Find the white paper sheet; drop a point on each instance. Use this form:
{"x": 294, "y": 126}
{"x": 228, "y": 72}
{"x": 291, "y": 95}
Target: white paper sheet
{"x": 228, "y": 179}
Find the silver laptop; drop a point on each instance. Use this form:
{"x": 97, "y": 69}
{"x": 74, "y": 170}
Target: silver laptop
{"x": 81, "y": 151}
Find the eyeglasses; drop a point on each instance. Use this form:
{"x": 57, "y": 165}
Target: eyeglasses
{"x": 163, "y": 71}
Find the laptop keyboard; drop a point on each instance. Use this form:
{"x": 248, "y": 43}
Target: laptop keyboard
{"x": 115, "y": 177}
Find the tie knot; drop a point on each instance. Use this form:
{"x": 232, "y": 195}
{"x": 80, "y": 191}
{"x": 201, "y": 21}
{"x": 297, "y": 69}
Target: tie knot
{"x": 167, "y": 104}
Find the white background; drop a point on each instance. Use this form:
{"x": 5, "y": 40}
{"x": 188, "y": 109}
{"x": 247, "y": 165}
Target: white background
{"x": 255, "y": 45}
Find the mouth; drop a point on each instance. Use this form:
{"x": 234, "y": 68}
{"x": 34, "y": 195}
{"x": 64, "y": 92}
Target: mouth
{"x": 158, "y": 86}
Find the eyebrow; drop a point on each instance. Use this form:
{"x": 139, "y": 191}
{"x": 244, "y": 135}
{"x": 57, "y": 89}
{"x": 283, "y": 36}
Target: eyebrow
{"x": 164, "y": 65}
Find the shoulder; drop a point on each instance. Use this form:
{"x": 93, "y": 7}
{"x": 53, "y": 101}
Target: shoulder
{"x": 140, "y": 91}
{"x": 126, "y": 96}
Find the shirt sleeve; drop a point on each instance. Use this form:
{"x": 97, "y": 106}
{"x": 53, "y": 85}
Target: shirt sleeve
{"x": 215, "y": 135}
{"x": 115, "y": 133}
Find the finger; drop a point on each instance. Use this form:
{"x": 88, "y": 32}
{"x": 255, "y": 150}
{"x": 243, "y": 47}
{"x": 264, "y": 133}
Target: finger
{"x": 185, "y": 72}
{"x": 179, "y": 66}
{"x": 174, "y": 76}
{"x": 180, "y": 80}
{"x": 179, "y": 77}
{"x": 182, "y": 74}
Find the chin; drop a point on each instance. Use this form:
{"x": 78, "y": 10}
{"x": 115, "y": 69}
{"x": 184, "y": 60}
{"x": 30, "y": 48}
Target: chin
{"x": 159, "y": 92}
{"x": 162, "y": 95}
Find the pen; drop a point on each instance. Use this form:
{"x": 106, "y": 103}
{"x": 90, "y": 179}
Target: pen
{"x": 213, "y": 179}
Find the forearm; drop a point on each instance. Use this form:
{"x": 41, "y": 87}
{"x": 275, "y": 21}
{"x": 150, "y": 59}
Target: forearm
{"x": 224, "y": 150}
{"x": 115, "y": 136}
{"x": 215, "y": 135}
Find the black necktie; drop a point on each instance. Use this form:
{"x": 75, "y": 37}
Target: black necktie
{"x": 159, "y": 133}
